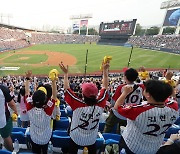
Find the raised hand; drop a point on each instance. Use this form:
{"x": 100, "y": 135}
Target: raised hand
{"x": 127, "y": 89}
{"x": 28, "y": 73}
{"x": 106, "y": 65}
{"x": 63, "y": 68}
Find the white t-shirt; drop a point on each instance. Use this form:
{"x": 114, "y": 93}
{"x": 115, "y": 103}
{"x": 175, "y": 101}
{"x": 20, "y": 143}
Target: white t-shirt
{"x": 2, "y": 110}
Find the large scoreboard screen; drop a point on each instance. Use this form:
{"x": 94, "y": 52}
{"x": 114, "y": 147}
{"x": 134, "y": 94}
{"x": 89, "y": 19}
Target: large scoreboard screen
{"x": 172, "y": 17}
{"x": 117, "y": 29}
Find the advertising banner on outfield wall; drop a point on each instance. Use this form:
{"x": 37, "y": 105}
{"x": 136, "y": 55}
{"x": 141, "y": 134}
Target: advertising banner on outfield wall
{"x": 161, "y": 49}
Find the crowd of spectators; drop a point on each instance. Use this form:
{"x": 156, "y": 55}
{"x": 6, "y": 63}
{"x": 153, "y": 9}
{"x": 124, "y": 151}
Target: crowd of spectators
{"x": 14, "y": 38}
{"x": 157, "y": 41}
{"x": 52, "y": 38}
{"x": 75, "y": 81}
{"x": 15, "y": 83}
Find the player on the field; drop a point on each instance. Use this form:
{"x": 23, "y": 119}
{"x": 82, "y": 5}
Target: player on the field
{"x": 148, "y": 122}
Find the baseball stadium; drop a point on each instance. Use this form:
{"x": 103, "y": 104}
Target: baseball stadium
{"x": 106, "y": 90}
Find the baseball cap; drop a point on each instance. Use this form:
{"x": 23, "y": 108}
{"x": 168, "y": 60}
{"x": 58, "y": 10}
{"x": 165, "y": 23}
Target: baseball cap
{"x": 125, "y": 69}
{"x": 39, "y": 98}
{"x": 43, "y": 89}
{"x": 89, "y": 89}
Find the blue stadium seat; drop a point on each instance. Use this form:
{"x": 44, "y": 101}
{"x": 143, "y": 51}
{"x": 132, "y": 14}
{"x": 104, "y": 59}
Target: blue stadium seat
{"x": 99, "y": 143}
{"x": 19, "y": 129}
{"x": 63, "y": 113}
{"x": 62, "y": 124}
{"x": 19, "y": 134}
{"x": 5, "y": 152}
{"x": 60, "y": 139}
{"x": 111, "y": 138}
{"x": 19, "y": 122}
{"x": 177, "y": 122}
{"x": 69, "y": 113}
{"x": 60, "y": 133}
{"x": 61, "y": 107}
{"x": 172, "y": 130}
{"x": 102, "y": 125}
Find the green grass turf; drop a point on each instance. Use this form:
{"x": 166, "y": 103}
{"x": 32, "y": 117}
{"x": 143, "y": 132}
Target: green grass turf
{"x": 120, "y": 56}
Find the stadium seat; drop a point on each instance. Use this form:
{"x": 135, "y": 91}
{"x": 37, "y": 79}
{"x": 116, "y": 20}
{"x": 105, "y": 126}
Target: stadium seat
{"x": 100, "y": 141}
{"x": 19, "y": 122}
{"x": 172, "y": 130}
{"x": 19, "y": 134}
{"x": 177, "y": 122}
{"x": 69, "y": 112}
{"x": 102, "y": 125}
{"x": 62, "y": 124}
{"x": 5, "y": 152}
{"x": 60, "y": 133}
{"x": 61, "y": 107}
{"x": 63, "y": 113}
{"x": 111, "y": 138}
{"x": 19, "y": 129}
{"x": 60, "y": 139}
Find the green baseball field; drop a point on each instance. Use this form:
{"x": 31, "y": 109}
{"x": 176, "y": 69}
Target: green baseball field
{"x": 42, "y": 58}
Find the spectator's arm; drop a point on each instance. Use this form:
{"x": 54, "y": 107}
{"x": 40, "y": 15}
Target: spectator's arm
{"x": 120, "y": 101}
{"x": 28, "y": 75}
{"x": 12, "y": 105}
{"x": 172, "y": 139}
{"x": 54, "y": 89}
{"x": 105, "y": 74}
{"x": 65, "y": 70}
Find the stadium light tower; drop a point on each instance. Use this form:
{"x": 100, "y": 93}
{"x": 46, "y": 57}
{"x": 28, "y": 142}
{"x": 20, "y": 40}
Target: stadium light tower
{"x": 80, "y": 18}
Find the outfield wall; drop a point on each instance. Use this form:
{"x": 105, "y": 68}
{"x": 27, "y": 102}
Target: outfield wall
{"x": 160, "y": 49}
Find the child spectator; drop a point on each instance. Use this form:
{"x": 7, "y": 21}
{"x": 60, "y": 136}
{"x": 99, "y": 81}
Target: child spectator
{"x": 148, "y": 122}
{"x": 23, "y": 111}
{"x": 40, "y": 111}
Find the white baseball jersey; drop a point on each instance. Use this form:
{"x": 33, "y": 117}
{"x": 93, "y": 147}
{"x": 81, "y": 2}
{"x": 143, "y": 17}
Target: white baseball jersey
{"x": 135, "y": 97}
{"x": 85, "y": 119}
{"x": 40, "y": 130}
{"x": 146, "y": 125}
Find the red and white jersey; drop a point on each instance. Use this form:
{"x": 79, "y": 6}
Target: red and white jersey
{"x": 135, "y": 97}
{"x": 85, "y": 119}
{"x": 146, "y": 125}
{"x": 40, "y": 130}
